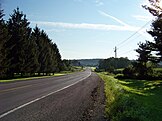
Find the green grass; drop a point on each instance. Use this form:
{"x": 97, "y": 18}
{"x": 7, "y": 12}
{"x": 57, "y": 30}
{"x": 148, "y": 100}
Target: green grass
{"x": 132, "y": 100}
{"x": 158, "y": 69}
{"x": 93, "y": 68}
{"x": 120, "y": 69}
{"x": 77, "y": 68}
{"x": 37, "y": 77}
{"x": 17, "y": 77}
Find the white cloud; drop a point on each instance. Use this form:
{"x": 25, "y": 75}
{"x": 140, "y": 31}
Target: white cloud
{"x": 56, "y": 30}
{"x": 116, "y": 19}
{"x": 139, "y": 30}
{"x": 77, "y": 0}
{"x": 99, "y": 2}
{"x": 142, "y": 18}
{"x": 105, "y": 27}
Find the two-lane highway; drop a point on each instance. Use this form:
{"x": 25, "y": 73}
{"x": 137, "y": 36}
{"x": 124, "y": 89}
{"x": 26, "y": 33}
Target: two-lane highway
{"x": 17, "y": 95}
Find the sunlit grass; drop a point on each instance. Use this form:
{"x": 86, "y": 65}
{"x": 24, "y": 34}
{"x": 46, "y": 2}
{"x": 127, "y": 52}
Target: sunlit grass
{"x": 93, "y": 68}
{"x": 39, "y": 77}
{"x": 30, "y": 78}
{"x": 133, "y": 99}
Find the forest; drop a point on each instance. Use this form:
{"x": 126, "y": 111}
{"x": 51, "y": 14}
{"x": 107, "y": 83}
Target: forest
{"x": 25, "y": 50}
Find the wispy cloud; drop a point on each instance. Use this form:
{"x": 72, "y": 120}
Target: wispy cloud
{"x": 114, "y": 18}
{"x": 99, "y": 2}
{"x": 53, "y": 26}
{"x": 142, "y": 18}
{"x": 77, "y": 0}
{"x": 105, "y": 27}
{"x": 129, "y": 27}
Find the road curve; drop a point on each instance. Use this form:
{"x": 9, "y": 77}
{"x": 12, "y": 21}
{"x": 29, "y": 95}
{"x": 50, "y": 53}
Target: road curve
{"x": 51, "y": 99}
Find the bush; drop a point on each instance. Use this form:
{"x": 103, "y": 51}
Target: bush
{"x": 139, "y": 71}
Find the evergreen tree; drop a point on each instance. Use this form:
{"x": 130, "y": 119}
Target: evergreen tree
{"x": 144, "y": 53}
{"x": 25, "y": 51}
{"x": 31, "y": 61}
{"x": 156, "y": 30}
{"x": 48, "y": 53}
{"x": 44, "y": 52}
{"x": 36, "y": 36}
{"x": 154, "y": 8}
{"x": 156, "y": 33}
{"x": 4, "y": 36}
{"x": 145, "y": 56}
{"x": 17, "y": 45}
{"x": 57, "y": 58}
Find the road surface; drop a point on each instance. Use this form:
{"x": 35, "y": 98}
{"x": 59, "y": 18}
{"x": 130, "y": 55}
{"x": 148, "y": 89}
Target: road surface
{"x": 63, "y": 98}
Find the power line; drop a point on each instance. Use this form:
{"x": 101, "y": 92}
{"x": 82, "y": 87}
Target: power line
{"x": 119, "y": 45}
{"x": 127, "y": 51}
{"x": 131, "y": 39}
{"x": 133, "y": 34}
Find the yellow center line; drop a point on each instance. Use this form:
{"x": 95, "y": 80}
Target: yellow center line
{"x": 11, "y": 89}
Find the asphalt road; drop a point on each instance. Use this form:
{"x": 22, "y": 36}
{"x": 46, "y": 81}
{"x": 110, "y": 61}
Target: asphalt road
{"x": 62, "y": 98}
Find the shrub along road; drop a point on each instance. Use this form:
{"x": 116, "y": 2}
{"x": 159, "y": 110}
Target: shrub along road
{"x": 72, "y": 97}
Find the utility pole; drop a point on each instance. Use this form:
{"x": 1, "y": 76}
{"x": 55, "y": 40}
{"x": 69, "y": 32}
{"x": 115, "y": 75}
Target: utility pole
{"x": 115, "y": 52}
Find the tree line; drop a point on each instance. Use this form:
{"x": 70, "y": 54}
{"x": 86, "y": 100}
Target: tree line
{"x": 25, "y": 50}
{"x": 111, "y": 64}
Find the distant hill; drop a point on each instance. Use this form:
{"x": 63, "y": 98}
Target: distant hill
{"x": 88, "y": 62}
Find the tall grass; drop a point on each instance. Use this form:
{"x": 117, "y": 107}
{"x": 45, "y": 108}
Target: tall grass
{"x": 132, "y": 100}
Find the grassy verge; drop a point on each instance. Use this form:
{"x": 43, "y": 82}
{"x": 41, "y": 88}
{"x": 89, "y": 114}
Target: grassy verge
{"x": 19, "y": 78}
{"x": 132, "y": 100}
{"x": 35, "y": 77}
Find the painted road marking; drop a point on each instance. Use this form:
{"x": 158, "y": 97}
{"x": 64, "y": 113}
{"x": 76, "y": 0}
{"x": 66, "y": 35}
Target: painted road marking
{"x": 37, "y": 99}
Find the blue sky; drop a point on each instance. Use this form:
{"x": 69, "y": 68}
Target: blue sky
{"x": 88, "y": 28}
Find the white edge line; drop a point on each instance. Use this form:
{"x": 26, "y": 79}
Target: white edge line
{"x": 37, "y": 99}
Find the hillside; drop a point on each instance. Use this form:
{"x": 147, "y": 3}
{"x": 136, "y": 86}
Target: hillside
{"x": 88, "y": 62}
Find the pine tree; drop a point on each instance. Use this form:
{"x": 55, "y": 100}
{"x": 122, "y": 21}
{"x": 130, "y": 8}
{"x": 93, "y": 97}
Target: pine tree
{"x": 44, "y": 50}
{"x": 156, "y": 29}
{"x": 57, "y": 58}
{"x": 145, "y": 56}
{"x": 4, "y": 36}
{"x": 25, "y": 51}
{"x": 17, "y": 45}
{"x": 31, "y": 60}
{"x": 156, "y": 33}
{"x": 43, "y": 57}
{"x": 144, "y": 53}
{"x": 154, "y": 8}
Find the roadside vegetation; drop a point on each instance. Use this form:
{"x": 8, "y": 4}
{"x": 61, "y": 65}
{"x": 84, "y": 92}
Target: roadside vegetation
{"x": 132, "y": 100}
{"x": 133, "y": 90}
{"x": 18, "y": 77}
